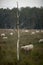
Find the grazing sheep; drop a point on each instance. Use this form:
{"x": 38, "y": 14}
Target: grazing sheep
{"x": 3, "y": 34}
{"x": 37, "y": 31}
{"x": 27, "y": 47}
{"x": 5, "y": 37}
{"x": 26, "y": 31}
{"x": 32, "y": 33}
{"x": 11, "y": 33}
{"x": 41, "y": 40}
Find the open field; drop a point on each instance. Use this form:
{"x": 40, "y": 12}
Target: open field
{"x": 8, "y": 47}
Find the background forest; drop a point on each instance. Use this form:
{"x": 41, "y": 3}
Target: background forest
{"x": 30, "y": 18}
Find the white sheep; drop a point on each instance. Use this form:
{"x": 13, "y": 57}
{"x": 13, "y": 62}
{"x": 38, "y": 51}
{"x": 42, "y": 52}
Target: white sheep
{"x": 37, "y": 31}
{"x": 3, "y": 34}
{"x": 32, "y": 33}
{"x": 26, "y": 31}
{"x": 5, "y": 37}
{"x": 27, "y": 47}
{"x": 41, "y": 40}
{"x": 11, "y": 33}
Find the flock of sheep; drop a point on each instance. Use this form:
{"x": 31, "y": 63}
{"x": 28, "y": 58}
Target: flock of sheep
{"x": 3, "y": 35}
{"x": 31, "y": 46}
{"x": 26, "y": 47}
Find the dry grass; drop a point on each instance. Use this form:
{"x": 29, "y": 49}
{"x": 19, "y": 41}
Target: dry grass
{"x": 8, "y": 48}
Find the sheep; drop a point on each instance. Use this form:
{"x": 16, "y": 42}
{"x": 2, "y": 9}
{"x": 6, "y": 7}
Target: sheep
{"x": 41, "y": 40}
{"x": 11, "y": 33}
{"x": 27, "y": 47}
{"x": 5, "y": 37}
{"x": 37, "y": 31}
{"x": 26, "y": 31}
{"x": 3, "y": 34}
{"x": 32, "y": 33}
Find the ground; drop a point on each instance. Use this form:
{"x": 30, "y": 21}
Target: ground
{"x": 8, "y": 47}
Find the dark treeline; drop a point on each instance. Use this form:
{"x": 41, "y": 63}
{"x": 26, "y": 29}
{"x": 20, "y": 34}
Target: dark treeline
{"x": 30, "y": 18}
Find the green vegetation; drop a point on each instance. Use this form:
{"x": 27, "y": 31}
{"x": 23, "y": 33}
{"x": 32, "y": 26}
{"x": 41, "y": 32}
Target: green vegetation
{"x": 8, "y": 49}
{"x": 30, "y": 18}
